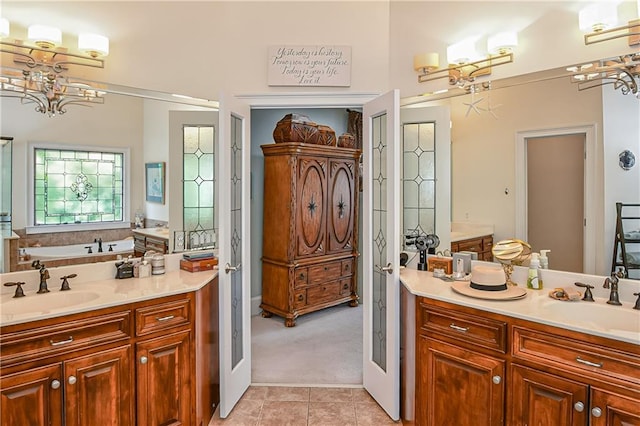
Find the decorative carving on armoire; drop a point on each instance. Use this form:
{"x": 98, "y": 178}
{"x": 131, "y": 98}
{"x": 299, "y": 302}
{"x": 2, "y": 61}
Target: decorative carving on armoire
{"x": 309, "y": 266}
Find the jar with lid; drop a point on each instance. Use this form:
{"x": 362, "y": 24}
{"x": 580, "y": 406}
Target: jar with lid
{"x": 157, "y": 264}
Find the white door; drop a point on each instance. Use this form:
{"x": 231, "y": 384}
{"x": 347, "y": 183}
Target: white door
{"x": 234, "y": 255}
{"x": 381, "y": 251}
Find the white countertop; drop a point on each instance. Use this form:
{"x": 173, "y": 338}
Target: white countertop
{"x": 614, "y": 322}
{"x": 156, "y": 232}
{"x": 465, "y": 231}
{"x": 94, "y": 288}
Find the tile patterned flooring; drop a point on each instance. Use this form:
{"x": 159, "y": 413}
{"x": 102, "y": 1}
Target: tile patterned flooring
{"x": 305, "y": 406}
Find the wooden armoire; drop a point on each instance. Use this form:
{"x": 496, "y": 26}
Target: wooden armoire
{"x": 310, "y": 228}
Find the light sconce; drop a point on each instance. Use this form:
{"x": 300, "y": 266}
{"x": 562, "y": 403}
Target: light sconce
{"x": 623, "y": 73}
{"x": 465, "y": 64}
{"x": 598, "y": 21}
{"x": 43, "y": 61}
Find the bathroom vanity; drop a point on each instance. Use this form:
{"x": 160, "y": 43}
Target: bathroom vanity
{"x": 533, "y": 361}
{"x": 134, "y": 351}
{"x": 145, "y": 239}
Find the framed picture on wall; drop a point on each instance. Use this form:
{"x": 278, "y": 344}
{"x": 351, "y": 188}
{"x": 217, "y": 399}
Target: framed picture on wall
{"x": 154, "y": 182}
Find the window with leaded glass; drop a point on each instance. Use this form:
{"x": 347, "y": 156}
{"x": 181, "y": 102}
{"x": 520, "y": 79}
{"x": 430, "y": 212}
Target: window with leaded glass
{"x": 77, "y": 186}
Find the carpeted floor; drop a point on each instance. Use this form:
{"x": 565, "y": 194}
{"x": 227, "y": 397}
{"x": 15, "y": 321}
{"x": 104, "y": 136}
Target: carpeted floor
{"x": 324, "y": 348}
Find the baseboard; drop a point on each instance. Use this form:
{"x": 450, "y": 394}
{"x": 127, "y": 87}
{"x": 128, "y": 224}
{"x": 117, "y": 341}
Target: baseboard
{"x": 255, "y": 305}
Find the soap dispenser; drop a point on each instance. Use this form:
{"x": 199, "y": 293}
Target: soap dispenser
{"x": 533, "y": 281}
{"x": 544, "y": 260}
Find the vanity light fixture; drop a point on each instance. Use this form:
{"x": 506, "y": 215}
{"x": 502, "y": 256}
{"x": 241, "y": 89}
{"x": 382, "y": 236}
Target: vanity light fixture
{"x": 465, "y": 64}
{"x": 42, "y": 60}
{"x": 621, "y": 72}
{"x": 598, "y": 21}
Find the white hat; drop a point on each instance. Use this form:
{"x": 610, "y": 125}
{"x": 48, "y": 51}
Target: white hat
{"x": 488, "y": 282}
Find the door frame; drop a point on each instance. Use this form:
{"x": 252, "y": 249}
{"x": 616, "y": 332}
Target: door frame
{"x": 590, "y": 196}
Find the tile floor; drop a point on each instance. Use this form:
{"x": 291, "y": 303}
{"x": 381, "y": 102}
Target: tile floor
{"x": 305, "y": 406}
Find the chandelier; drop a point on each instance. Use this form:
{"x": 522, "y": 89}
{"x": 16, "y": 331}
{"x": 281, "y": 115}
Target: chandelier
{"x": 40, "y": 78}
{"x": 622, "y": 72}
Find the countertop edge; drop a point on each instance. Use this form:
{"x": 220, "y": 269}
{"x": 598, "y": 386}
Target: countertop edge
{"x": 421, "y": 283}
{"x": 119, "y": 292}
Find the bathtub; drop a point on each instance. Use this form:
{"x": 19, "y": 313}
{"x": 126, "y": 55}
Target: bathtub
{"x": 79, "y": 250}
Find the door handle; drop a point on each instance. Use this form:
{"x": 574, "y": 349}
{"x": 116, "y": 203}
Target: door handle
{"x": 388, "y": 269}
{"x": 228, "y": 268}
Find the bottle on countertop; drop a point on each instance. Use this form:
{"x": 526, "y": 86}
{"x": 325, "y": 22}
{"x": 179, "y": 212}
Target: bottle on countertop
{"x": 144, "y": 269}
{"x": 544, "y": 260}
{"x": 533, "y": 281}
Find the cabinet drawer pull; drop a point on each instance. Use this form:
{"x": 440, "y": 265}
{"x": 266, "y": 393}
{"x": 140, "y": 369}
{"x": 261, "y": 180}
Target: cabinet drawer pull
{"x": 458, "y": 328}
{"x": 589, "y": 363}
{"x": 167, "y": 318}
{"x": 61, "y": 342}
{"x": 579, "y": 406}
{"x": 300, "y": 298}
{"x": 55, "y": 384}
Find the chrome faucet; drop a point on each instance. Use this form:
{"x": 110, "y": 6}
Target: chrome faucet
{"x": 612, "y": 282}
{"x": 44, "y": 276}
{"x": 99, "y": 241}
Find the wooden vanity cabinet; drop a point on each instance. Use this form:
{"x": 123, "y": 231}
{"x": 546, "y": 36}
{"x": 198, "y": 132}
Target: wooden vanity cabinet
{"x": 143, "y": 243}
{"x": 310, "y": 228}
{"x": 479, "y": 368}
{"x": 147, "y": 363}
{"x": 460, "y": 367}
{"x": 481, "y": 245}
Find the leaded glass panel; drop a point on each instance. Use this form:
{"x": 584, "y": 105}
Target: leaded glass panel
{"x": 418, "y": 178}
{"x": 379, "y": 243}
{"x": 198, "y": 160}
{"x": 237, "y": 349}
{"x": 72, "y": 186}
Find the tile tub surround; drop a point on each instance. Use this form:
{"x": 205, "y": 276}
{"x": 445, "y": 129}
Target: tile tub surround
{"x": 305, "y": 406}
{"x": 98, "y": 278}
{"x": 532, "y": 307}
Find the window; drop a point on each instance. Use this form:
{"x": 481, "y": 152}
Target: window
{"x": 78, "y": 186}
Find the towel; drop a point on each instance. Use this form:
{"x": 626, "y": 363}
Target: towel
{"x": 565, "y": 293}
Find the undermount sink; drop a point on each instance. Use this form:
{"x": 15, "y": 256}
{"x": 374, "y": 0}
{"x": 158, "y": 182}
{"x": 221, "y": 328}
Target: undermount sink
{"x": 596, "y": 315}
{"x": 46, "y": 302}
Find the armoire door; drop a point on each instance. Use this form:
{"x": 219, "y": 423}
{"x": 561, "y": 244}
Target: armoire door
{"x": 341, "y": 205}
{"x": 311, "y": 206}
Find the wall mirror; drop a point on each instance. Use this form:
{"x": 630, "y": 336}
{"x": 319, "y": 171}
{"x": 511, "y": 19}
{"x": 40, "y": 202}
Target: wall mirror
{"x": 151, "y": 125}
{"x": 488, "y": 125}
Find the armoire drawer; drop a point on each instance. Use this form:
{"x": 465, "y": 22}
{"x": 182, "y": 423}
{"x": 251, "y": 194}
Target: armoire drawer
{"x": 323, "y": 293}
{"x": 324, "y": 272}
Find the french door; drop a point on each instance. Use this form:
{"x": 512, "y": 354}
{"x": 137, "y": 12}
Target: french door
{"x": 381, "y": 251}
{"x": 234, "y": 278}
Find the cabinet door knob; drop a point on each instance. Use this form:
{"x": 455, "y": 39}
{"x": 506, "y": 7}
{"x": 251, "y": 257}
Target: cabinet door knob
{"x": 579, "y": 406}
{"x": 596, "y": 411}
{"x": 300, "y": 298}
{"x": 72, "y": 380}
{"x": 55, "y": 384}
{"x": 496, "y": 379}
{"x": 143, "y": 360}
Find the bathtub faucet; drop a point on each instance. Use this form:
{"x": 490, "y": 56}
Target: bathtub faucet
{"x": 99, "y": 241}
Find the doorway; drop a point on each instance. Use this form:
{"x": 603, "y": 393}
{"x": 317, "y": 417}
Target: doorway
{"x": 585, "y": 144}
{"x": 555, "y": 198}
{"x": 325, "y": 347}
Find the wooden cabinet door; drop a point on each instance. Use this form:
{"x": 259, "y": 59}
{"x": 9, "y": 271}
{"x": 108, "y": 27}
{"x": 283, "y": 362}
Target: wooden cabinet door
{"x": 32, "y": 397}
{"x": 163, "y": 380}
{"x": 538, "y": 398}
{"x": 98, "y": 389}
{"x": 612, "y": 409}
{"x": 342, "y": 205}
{"x": 458, "y": 387}
{"x": 311, "y": 206}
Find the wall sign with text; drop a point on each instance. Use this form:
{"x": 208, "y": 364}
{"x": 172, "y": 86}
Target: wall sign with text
{"x": 309, "y": 66}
